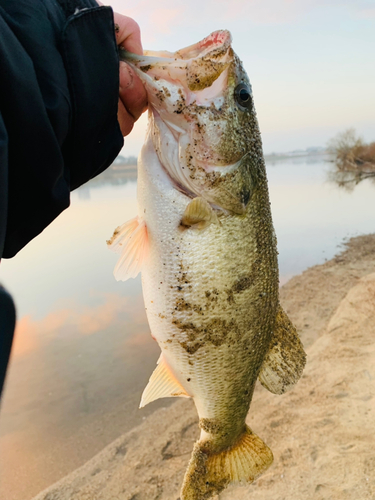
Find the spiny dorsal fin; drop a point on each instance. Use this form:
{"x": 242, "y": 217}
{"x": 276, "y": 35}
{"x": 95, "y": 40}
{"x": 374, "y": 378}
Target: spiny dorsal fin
{"x": 284, "y": 363}
{"x": 162, "y": 384}
{"x": 131, "y": 241}
{"x": 199, "y": 214}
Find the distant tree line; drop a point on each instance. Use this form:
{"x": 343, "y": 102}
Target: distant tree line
{"x": 125, "y": 160}
{"x": 354, "y": 159}
{"x": 351, "y": 152}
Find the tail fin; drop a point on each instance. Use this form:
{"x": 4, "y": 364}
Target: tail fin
{"x": 210, "y": 473}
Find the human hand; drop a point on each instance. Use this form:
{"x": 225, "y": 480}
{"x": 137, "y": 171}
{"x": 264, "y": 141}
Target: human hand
{"x": 132, "y": 94}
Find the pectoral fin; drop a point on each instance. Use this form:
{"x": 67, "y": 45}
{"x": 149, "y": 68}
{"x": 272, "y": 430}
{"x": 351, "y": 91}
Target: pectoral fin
{"x": 162, "y": 384}
{"x": 284, "y": 363}
{"x": 199, "y": 214}
{"x": 131, "y": 241}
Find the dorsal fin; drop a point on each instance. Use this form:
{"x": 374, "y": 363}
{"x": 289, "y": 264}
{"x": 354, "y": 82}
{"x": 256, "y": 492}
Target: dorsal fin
{"x": 131, "y": 241}
{"x": 162, "y": 384}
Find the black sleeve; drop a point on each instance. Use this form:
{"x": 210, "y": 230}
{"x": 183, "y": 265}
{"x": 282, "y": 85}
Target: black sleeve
{"x": 7, "y": 323}
{"x": 59, "y": 81}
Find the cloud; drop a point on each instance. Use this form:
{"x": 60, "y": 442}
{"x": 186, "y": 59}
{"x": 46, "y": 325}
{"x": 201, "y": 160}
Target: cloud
{"x": 28, "y": 332}
{"x": 25, "y": 337}
{"x": 114, "y": 310}
{"x": 367, "y": 13}
{"x": 138, "y": 340}
{"x": 91, "y": 320}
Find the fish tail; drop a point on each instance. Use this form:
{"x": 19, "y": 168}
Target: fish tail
{"x": 210, "y": 472}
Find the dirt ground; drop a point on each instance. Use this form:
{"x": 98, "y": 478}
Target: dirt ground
{"x": 321, "y": 432}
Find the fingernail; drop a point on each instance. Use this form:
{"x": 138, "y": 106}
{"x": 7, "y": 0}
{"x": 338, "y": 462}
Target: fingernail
{"x": 126, "y": 75}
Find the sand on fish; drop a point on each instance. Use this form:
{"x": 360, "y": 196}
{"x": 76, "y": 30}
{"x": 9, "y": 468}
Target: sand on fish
{"x": 321, "y": 433}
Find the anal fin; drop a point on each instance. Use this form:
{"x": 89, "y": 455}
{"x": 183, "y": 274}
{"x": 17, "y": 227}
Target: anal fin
{"x": 284, "y": 363}
{"x": 162, "y": 384}
{"x": 131, "y": 241}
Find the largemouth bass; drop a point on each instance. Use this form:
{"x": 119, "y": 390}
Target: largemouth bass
{"x": 204, "y": 242}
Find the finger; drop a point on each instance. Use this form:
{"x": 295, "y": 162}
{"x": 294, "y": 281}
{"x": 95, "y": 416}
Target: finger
{"x": 128, "y": 34}
{"x": 125, "y": 120}
{"x": 132, "y": 92}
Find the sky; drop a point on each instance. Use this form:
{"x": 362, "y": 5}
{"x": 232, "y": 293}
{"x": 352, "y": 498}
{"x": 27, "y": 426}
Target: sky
{"x": 310, "y": 62}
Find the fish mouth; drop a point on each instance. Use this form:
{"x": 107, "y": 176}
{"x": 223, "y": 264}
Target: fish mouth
{"x": 220, "y": 39}
{"x": 195, "y": 67}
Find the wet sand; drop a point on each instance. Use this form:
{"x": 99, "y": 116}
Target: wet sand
{"x": 321, "y": 432}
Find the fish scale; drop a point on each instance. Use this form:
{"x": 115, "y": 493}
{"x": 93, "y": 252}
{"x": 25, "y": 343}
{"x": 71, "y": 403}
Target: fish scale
{"x": 205, "y": 245}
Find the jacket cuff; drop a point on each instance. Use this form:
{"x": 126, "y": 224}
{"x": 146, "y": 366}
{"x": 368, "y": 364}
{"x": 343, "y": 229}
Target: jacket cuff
{"x": 92, "y": 67}
{"x": 71, "y": 7}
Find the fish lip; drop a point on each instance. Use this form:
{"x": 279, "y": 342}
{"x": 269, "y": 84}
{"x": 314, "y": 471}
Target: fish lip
{"x": 216, "y": 39}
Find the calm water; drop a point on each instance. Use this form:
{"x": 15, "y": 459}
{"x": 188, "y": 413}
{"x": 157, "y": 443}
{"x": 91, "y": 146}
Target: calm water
{"x": 83, "y": 353}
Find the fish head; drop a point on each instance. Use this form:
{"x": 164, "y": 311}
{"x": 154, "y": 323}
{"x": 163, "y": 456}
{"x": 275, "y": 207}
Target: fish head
{"x": 202, "y": 120}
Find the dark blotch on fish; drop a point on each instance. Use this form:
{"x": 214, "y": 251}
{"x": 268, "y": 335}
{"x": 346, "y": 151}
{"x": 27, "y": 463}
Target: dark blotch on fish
{"x": 145, "y": 68}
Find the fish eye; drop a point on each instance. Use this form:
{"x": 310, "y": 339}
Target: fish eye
{"x": 242, "y": 95}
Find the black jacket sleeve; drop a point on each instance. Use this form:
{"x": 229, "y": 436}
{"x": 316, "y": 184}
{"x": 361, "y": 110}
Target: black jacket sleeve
{"x": 59, "y": 81}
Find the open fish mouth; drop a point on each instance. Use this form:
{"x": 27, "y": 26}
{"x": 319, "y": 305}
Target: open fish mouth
{"x": 220, "y": 39}
{"x": 195, "y": 67}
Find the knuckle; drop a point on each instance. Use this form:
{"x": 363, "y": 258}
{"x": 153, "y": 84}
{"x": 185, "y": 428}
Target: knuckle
{"x": 136, "y": 28}
{"x": 131, "y": 25}
{"x": 127, "y": 128}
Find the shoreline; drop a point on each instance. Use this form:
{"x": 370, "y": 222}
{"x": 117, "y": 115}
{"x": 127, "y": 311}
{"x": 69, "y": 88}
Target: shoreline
{"x": 320, "y": 431}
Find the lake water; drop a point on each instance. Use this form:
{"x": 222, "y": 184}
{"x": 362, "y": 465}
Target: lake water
{"x": 83, "y": 352}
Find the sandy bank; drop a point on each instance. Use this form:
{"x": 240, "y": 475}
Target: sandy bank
{"x": 321, "y": 433}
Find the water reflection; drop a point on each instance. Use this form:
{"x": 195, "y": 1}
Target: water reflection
{"x": 74, "y": 386}
{"x": 83, "y": 352}
{"x": 348, "y": 180}
{"x": 115, "y": 175}
{"x": 312, "y": 216}
{"x": 114, "y": 310}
